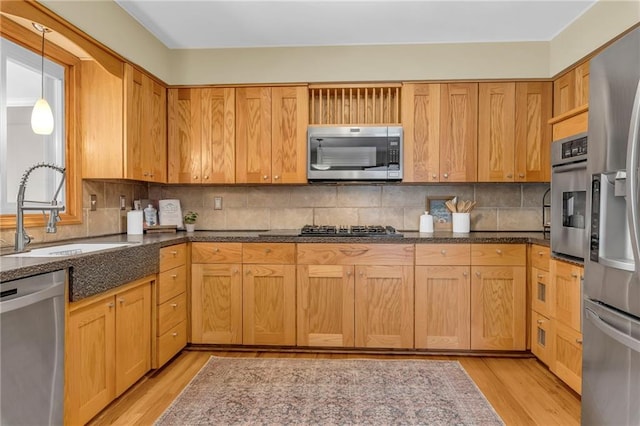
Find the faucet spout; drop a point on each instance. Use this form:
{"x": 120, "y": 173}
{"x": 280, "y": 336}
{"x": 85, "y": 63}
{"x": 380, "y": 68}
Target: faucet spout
{"x": 22, "y": 239}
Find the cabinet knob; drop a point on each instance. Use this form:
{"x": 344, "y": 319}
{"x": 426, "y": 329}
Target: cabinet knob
{"x": 216, "y": 250}
{"x": 540, "y": 276}
{"x": 434, "y": 176}
{"x": 540, "y": 253}
{"x": 174, "y": 334}
{"x": 443, "y": 252}
{"x": 579, "y": 341}
{"x": 174, "y": 253}
{"x": 121, "y": 300}
{"x": 361, "y": 273}
{"x": 478, "y": 274}
{"x": 276, "y": 177}
{"x": 348, "y": 273}
{"x": 265, "y": 177}
{"x": 574, "y": 275}
{"x": 509, "y": 176}
{"x": 174, "y": 276}
{"x": 206, "y": 177}
{"x": 235, "y": 271}
{"x": 521, "y": 175}
{"x": 195, "y": 178}
{"x": 540, "y": 321}
{"x": 111, "y": 305}
{"x": 446, "y": 175}
{"x": 248, "y": 273}
{"x": 498, "y": 251}
{"x": 465, "y": 274}
{"x": 145, "y": 174}
{"x": 150, "y": 174}
{"x": 174, "y": 305}
{"x": 267, "y": 250}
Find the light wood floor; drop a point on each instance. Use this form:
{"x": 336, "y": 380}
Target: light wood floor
{"x": 522, "y": 391}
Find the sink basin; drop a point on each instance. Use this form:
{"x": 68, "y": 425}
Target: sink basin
{"x": 69, "y": 249}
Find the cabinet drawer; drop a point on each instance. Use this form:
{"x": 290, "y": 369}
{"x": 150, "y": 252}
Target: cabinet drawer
{"x": 356, "y": 254}
{"x": 542, "y": 292}
{"x": 274, "y": 253}
{"x": 216, "y": 253}
{"x": 171, "y": 342}
{"x": 171, "y": 313}
{"x": 539, "y": 257}
{"x": 171, "y": 283}
{"x": 542, "y": 338}
{"x": 443, "y": 254}
{"x": 498, "y": 254}
{"x": 172, "y": 256}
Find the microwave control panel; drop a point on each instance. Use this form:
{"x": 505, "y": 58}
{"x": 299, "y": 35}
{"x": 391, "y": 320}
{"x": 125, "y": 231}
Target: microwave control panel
{"x": 574, "y": 148}
{"x": 393, "y": 156}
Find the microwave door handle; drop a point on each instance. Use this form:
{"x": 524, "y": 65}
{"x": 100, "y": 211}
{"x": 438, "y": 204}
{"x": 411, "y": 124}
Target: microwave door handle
{"x": 632, "y": 179}
{"x": 564, "y": 168}
{"x": 611, "y": 331}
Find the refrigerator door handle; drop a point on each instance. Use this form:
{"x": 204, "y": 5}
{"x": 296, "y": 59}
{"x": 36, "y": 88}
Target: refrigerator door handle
{"x": 612, "y": 332}
{"x": 632, "y": 178}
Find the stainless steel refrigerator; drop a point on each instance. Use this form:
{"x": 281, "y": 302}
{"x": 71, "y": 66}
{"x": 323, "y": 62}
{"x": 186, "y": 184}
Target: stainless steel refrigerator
{"x": 611, "y": 305}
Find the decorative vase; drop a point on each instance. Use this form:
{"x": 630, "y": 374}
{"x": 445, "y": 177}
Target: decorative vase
{"x": 190, "y": 227}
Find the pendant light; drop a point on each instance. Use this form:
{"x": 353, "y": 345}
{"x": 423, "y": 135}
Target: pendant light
{"x": 41, "y": 116}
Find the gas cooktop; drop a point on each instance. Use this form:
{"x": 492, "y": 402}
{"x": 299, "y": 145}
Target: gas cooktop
{"x": 348, "y": 231}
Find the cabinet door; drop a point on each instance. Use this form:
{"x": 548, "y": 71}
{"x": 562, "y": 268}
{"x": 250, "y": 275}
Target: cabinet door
{"x": 184, "y": 136}
{"x": 442, "y": 307}
{"x": 542, "y": 338}
{"x": 564, "y": 89}
{"x": 290, "y": 109}
{"x": 133, "y": 336}
{"x": 421, "y": 123}
{"x": 325, "y": 305}
{"x": 582, "y": 84}
{"x": 384, "y": 306}
{"x": 458, "y": 132}
{"x": 496, "y": 132}
{"x": 154, "y": 146}
{"x": 216, "y": 303}
{"x": 253, "y": 135}
{"x": 134, "y": 127}
{"x": 566, "y": 284}
{"x": 217, "y": 135}
{"x": 90, "y": 360}
{"x": 542, "y": 292}
{"x": 269, "y": 305}
{"x": 498, "y": 301}
{"x": 567, "y": 363}
{"x": 533, "y": 132}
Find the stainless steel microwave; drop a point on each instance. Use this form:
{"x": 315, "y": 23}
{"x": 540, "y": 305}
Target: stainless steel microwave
{"x": 354, "y": 153}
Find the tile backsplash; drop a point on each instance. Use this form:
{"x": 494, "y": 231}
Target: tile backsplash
{"x": 500, "y": 207}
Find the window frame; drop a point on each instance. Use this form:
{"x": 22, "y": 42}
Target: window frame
{"x": 73, "y": 183}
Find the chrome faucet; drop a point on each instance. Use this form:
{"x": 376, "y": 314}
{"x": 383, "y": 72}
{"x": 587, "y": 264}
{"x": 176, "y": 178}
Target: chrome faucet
{"x": 22, "y": 238}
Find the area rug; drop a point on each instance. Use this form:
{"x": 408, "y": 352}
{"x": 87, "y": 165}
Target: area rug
{"x": 275, "y": 391}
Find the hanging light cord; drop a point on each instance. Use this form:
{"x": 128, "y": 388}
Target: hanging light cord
{"x": 42, "y": 65}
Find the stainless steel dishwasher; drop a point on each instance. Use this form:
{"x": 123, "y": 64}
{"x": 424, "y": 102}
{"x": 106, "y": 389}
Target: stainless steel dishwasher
{"x": 32, "y": 350}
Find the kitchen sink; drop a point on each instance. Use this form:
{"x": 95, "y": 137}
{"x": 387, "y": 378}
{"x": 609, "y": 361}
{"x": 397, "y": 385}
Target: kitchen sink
{"x": 69, "y": 249}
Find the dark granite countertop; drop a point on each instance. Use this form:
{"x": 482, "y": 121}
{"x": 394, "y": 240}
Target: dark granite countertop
{"x": 92, "y": 273}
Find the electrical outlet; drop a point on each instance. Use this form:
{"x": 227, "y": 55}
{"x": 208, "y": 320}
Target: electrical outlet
{"x": 94, "y": 202}
{"x": 217, "y": 203}
{"x": 123, "y": 202}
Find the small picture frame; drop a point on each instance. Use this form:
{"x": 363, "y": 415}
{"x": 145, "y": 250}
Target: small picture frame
{"x": 440, "y": 212}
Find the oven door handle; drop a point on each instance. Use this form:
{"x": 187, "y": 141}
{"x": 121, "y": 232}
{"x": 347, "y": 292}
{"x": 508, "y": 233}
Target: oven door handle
{"x": 563, "y": 168}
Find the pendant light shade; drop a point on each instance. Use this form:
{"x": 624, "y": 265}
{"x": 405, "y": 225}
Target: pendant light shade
{"x": 42, "y": 116}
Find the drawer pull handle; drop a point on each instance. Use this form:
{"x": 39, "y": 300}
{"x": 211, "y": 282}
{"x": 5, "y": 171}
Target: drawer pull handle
{"x": 540, "y": 321}
{"x": 174, "y": 305}
{"x": 355, "y": 252}
{"x": 174, "y": 334}
{"x": 540, "y": 276}
{"x": 443, "y": 252}
{"x": 173, "y": 252}
{"x": 540, "y": 253}
{"x": 574, "y": 275}
{"x": 174, "y": 276}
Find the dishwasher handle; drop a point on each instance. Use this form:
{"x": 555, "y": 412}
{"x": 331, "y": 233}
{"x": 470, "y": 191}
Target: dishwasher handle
{"x": 54, "y": 289}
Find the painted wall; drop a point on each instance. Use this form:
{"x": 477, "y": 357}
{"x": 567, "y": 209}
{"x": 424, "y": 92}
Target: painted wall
{"x": 108, "y": 23}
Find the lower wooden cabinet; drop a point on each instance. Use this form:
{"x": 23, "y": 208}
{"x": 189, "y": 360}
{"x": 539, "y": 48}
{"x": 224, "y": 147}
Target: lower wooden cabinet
{"x": 325, "y": 308}
{"x": 498, "y": 308}
{"x": 108, "y": 348}
{"x": 384, "y": 306}
{"x": 442, "y": 313}
{"x": 567, "y": 363}
{"x": 542, "y": 338}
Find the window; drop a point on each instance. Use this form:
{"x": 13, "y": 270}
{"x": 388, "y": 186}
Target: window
{"x": 20, "y": 148}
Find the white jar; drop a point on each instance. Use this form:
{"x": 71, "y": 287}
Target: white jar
{"x": 150, "y": 216}
{"x": 426, "y": 223}
{"x": 461, "y": 222}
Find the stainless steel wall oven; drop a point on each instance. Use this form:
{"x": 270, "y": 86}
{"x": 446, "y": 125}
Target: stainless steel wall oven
{"x": 569, "y": 185}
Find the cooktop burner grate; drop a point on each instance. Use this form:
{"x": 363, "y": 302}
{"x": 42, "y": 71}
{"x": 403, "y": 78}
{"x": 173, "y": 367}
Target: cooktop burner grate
{"x": 349, "y": 231}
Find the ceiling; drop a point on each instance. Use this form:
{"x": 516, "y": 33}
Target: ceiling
{"x": 202, "y": 24}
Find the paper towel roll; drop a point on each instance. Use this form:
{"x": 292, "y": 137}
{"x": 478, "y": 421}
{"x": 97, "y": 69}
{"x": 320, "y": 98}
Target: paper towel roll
{"x": 134, "y": 222}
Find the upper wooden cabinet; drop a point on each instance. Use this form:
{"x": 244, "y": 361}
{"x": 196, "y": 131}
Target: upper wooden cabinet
{"x": 458, "y": 132}
{"x": 271, "y": 134}
{"x": 145, "y": 127}
{"x": 440, "y": 132}
{"x": 571, "y": 90}
{"x": 201, "y": 127}
{"x": 123, "y": 125}
{"x": 513, "y": 132}
{"x": 354, "y": 104}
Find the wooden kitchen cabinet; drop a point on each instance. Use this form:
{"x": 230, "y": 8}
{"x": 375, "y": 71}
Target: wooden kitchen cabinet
{"x": 123, "y": 125}
{"x": 442, "y": 296}
{"x": 421, "y": 127}
{"x": 145, "y": 127}
{"x": 171, "y": 304}
{"x": 216, "y": 293}
{"x": 325, "y": 305}
{"x": 571, "y": 90}
{"x": 108, "y": 348}
{"x": 498, "y": 297}
{"x": 269, "y": 294}
{"x": 542, "y": 338}
{"x": 383, "y": 292}
{"x": 566, "y": 279}
{"x": 514, "y": 135}
{"x": 458, "y": 132}
{"x": 271, "y": 129}
{"x": 567, "y": 362}
{"x": 201, "y": 129}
